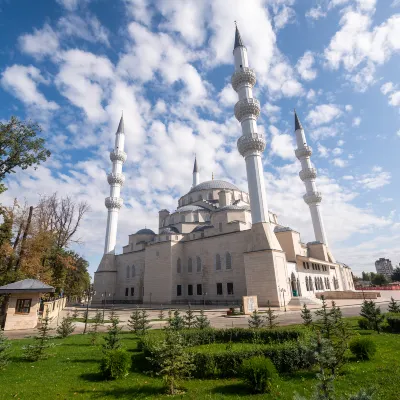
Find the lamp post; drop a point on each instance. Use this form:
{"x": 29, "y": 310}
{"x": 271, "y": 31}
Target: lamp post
{"x": 283, "y": 296}
{"x": 89, "y": 294}
{"x": 150, "y": 299}
{"x": 104, "y": 303}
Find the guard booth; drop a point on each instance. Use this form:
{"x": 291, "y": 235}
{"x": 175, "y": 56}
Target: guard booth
{"x": 20, "y": 310}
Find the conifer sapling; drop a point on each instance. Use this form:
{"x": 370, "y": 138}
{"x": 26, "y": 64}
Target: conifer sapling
{"x": 66, "y": 328}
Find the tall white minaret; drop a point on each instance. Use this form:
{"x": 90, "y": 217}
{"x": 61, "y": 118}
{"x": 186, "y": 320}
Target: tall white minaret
{"x": 251, "y": 144}
{"x": 196, "y": 175}
{"x": 116, "y": 180}
{"x": 308, "y": 174}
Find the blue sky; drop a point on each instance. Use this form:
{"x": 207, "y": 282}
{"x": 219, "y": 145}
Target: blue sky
{"x": 73, "y": 65}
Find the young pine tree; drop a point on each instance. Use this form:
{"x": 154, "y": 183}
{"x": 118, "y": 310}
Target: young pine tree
{"x": 176, "y": 323}
{"x": 325, "y": 323}
{"x": 202, "y": 322}
{"x": 271, "y": 318}
{"x": 306, "y": 316}
{"x": 37, "y": 350}
{"x": 75, "y": 314}
{"x": 255, "y": 320}
{"x": 372, "y": 313}
{"x": 66, "y": 327}
{"x": 4, "y": 352}
{"x": 144, "y": 322}
{"x": 135, "y": 321}
{"x": 112, "y": 339}
{"x": 161, "y": 315}
{"x": 393, "y": 307}
{"x": 94, "y": 332}
{"x": 189, "y": 318}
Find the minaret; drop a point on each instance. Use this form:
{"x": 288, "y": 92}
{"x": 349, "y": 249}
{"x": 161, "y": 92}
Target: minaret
{"x": 116, "y": 180}
{"x": 196, "y": 175}
{"x": 251, "y": 144}
{"x": 308, "y": 174}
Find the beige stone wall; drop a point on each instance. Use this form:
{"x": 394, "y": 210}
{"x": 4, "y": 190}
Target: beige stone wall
{"x": 54, "y": 307}
{"x": 22, "y": 321}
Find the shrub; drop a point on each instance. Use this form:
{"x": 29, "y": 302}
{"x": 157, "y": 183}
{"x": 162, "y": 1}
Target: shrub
{"x": 394, "y": 322}
{"x": 66, "y": 327}
{"x": 363, "y": 348}
{"x": 202, "y": 322}
{"x": 4, "y": 351}
{"x": 115, "y": 364}
{"x": 255, "y": 320}
{"x": 372, "y": 313}
{"x": 258, "y": 373}
{"x": 363, "y": 323}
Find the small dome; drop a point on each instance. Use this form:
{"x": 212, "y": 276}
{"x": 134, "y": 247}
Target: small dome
{"x": 189, "y": 208}
{"x": 214, "y": 185}
{"x": 170, "y": 230}
{"x": 145, "y": 231}
{"x": 202, "y": 228}
{"x": 233, "y": 208}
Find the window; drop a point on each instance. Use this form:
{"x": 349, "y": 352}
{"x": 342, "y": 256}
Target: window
{"x": 179, "y": 290}
{"x": 190, "y": 200}
{"x": 133, "y": 271}
{"x": 178, "y": 266}
{"x": 199, "y": 289}
{"x": 311, "y": 283}
{"x": 229, "y": 287}
{"x": 220, "y": 226}
{"x": 307, "y": 287}
{"x": 304, "y": 265}
{"x": 190, "y": 290}
{"x": 23, "y": 306}
{"x": 219, "y": 289}
{"x": 198, "y": 262}
{"x": 190, "y": 265}
{"x": 218, "y": 262}
{"x": 126, "y": 291}
{"x": 228, "y": 260}
{"x": 127, "y": 271}
{"x": 182, "y": 218}
{"x": 321, "y": 283}
{"x": 132, "y": 291}
{"x": 316, "y": 283}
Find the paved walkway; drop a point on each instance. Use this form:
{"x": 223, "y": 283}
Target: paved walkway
{"x": 216, "y": 315}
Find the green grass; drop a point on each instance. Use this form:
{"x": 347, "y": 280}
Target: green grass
{"x": 71, "y": 372}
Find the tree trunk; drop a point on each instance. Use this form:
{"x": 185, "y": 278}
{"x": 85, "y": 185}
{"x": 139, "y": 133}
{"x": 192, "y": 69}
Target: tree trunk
{"x": 24, "y": 236}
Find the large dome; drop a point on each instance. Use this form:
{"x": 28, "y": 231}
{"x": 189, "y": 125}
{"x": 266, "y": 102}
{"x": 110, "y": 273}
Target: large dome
{"x": 214, "y": 184}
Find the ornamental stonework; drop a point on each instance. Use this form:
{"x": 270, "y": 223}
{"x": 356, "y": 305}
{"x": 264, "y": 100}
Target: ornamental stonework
{"x": 113, "y": 202}
{"x": 251, "y": 144}
{"x": 306, "y": 151}
{"x": 118, "y": 179}
{"x": 313, "y": 198}
{"x": 308, "y": 174}
{"x": 246, "y": 76}
{"x": 118, "y": 155}
{"x": 246, "y": 108}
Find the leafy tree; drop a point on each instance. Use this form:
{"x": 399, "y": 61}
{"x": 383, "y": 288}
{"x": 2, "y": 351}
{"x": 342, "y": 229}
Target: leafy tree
{"x": 66, "y": 328}
{"x": 306, "y": 316}
{"x": 20, "y": 147}
{"x": 173, "y": 361}
{"x": 94, "y": 331}
{"x": 256, "y": 320}
{"x": 189, "y": 318}
{"x": 393, "y": 307}
{"x": 135, "y": 321}
{"x": 202, "y": 322}
{"x": 37, "y": 350}
{"x": 4, "y": 351}
{"x": 112, "y": 339}
{"x": 372, "y": 313}
{"x": 271, "y": 318}
{"x": 396, "y": 275}
{"x": 366, "y": 276}
{"x": 379, "y": 280}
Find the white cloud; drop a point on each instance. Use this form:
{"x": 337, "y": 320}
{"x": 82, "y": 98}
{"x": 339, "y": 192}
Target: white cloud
{"x": 337, "y": 151}
{"x": 310, "y": 96}
{"x": 396, "y": 3}
{"x": 22, "y": 82}
{"x": 323, "y": 151}
{"x": 315, "y": 13}
{"x": 340, "y": 142}
{"x": 387, "y": 87}
{"x": 339, "y": 162}
{"x": 348, "y": 177}
{"x": 282, "y": 144}
{"x": 394, "y": 99}
{"x": 286, "y": 16}
{"x": 41, "y": 43}
{"x": 304, "y": 66}
{"x": 356, "y": 121}
{"x": 348, "y": 107}
{"x": 376, "y": 179}
{"x": 398, "y": 133}
{"x": 72, "y": 5}
{"x": 323, "y": 114}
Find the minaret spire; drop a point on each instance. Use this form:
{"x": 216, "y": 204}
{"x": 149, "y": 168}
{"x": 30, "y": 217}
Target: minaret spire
{"x": 308, "y": 174}
{"x": 238, "y": 38}
{"x": 116, "y": 180}
{"x": 196, "y": 175}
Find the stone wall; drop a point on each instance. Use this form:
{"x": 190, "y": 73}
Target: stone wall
{"x": 16, "y": 320}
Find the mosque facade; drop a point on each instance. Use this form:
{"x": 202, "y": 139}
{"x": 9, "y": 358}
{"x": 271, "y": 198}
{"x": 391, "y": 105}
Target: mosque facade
{"x": 221, "y": 243}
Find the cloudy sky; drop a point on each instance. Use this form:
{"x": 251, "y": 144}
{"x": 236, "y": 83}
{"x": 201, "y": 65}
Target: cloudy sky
{"x": 73, "y": 65}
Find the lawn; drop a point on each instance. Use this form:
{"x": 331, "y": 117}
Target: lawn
{"x": 71, "y": 372}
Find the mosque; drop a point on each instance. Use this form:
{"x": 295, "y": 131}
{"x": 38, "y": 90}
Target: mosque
{"x": 221, "y": 243}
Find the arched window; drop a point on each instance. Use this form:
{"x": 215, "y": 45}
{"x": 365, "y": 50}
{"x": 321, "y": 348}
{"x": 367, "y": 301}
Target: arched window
{"x": 217, "y": 262}
{"x": 127, "y": 271}
{"x": 210, "y": 196}
{"x": 311, "y": 283}
{"x": 190, "y": 265}
{"x": 228, "y": 260}
{"x": 178, "y": 266}
{"x": 200, "y": 197}
{"x": 307, "y": 287}
{"x": 182, "y": 218}
{"x": 321, "y": 283}
{"x": 298, "y": 287}
{"x": 316, "y": 283}
{"x": 198, "y": 262}
{"x": 133, "y": 271}
{"x": 190, "y": 199}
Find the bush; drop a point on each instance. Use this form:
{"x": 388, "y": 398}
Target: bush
{"x": 258, "y": 373}
{"x": 394, "y": 322}
{"x": 363, "y": 323}
{"x": 115, "y": 364}
{"x": 363, "y": 348}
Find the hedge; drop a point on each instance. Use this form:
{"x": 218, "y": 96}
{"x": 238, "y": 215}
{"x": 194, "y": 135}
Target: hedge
{"x": 394, "y": 322}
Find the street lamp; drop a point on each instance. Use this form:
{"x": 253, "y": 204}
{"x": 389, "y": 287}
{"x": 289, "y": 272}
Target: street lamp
{"x": 283, "y": 295}
{"x": 150, "y": 299}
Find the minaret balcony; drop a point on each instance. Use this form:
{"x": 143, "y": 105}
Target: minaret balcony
{"x": 113, "y": 203}
{"x": 251, "y": 144}
{"x": 116, "y": 179}
{"x": 313, "y": 198}
{"x": 118, "y": 155}
{"x": 246, "y": 76}
{"x": 308, "y": 174}
{"x": 303, "y": 152}
{"x": 247, "y": 108}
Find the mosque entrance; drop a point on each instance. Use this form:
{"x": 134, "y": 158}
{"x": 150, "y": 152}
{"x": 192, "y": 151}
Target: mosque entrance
{"x": 294, "y": 283}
